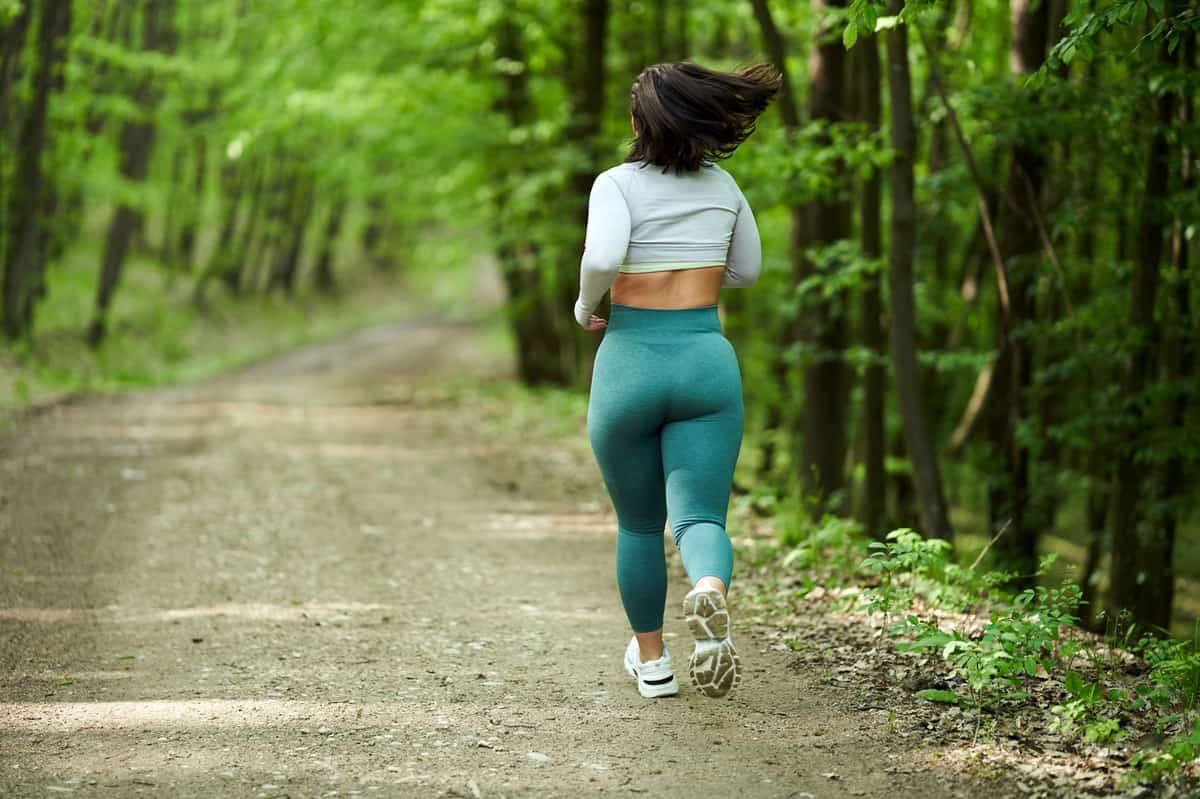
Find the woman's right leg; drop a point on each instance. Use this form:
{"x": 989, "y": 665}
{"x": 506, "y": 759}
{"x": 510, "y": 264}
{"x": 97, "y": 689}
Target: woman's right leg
{"x": 700, "y": 448}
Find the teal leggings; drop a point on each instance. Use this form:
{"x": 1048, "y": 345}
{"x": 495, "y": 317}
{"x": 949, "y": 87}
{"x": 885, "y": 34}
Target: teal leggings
{"x": 665, "y": 422}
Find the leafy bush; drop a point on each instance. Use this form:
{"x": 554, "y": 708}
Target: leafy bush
{"x": 1024, "y": 637}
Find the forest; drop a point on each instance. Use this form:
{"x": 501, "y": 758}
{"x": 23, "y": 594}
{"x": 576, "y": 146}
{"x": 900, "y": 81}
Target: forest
{"x": 976, "y": 318}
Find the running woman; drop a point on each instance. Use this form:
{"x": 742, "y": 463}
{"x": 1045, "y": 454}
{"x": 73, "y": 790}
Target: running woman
{"x": 666, "y": 230}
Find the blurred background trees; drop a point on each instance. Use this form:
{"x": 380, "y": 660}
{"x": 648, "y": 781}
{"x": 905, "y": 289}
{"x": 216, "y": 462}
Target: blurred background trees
{"x": 977, "y": 310}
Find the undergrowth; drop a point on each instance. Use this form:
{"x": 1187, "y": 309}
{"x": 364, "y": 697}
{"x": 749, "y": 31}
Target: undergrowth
{"x": 992, "y": 641}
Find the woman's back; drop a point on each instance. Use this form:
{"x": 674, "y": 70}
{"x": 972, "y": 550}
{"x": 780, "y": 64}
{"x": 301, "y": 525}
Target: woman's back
{"x": 666, "y": 239}
{"x": 676, "y": 220}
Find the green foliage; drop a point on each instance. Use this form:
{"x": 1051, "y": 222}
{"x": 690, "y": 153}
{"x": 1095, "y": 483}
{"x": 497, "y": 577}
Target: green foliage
{"x": 1026, "y": 636}
{"x": 1153, "y": 765}
{"x": 1175, "y": 664}
{"x": 1087, "y": 23}
{"x": 937, "y": 695}
{"x": 833, "y": 541}
{"x": 9, "y": 9}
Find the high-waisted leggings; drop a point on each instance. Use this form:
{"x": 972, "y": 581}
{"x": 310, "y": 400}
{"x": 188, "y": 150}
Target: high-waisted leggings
{"x": 665, "y": 423}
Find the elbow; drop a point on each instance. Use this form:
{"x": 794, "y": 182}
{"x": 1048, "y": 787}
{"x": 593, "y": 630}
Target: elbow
{"x": 740, "y": 277}
{"x": 599, "y": 265}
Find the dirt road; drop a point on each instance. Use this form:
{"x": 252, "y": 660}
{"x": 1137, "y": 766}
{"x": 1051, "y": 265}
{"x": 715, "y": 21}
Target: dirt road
{"x": 323, "y": 576}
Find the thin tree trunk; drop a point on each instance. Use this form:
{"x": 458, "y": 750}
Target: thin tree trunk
{"x": 24, "y": 259}
{"x": 12, "y": 44}
{"x": 136, "y": 145}
{"x": 374, "y": 232}
{"x": 264, "y": 252}
{"x": 1128, "y": 574}
{"x": 112, "y": 24}
{"x": 234, "y": 275}
{"x": 823, "y": 325}
{"x": 587, "y": 102}
{"x": 187, "y": 234}
{"x": 535, "y": 325}
{"x": 1098, "y": 497}
{"x": 1009, "y": 497}
{"x": 684, "y": 41}
{"x": 1158, "y": 594}
{"x": 874, "y": 503}
{"x": 661, "y": 51}
{"x": 220, "y": 261}
{"x": 935, "y": 521}
{"x": 171, "y": 210}
{"x": 297, "y": 214}
{"x": 789, "y": 114}
{"x": 323, "y": 274}
{"x": 789, "y": 111}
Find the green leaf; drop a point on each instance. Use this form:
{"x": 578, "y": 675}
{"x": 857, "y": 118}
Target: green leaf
{"x": 850, "y": 35}
{"x": 934, "y": 695}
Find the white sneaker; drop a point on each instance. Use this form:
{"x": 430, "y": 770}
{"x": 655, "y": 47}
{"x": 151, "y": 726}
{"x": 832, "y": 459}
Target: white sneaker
{"x": 714, "y": 663}
{"x": 655, "y": 677}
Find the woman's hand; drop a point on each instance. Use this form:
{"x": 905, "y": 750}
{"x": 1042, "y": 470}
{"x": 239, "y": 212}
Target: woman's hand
{"x": 596, "y": 323}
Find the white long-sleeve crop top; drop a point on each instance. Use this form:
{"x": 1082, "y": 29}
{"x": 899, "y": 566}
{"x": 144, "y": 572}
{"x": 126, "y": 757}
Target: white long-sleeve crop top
{"x": 641, "y": 219}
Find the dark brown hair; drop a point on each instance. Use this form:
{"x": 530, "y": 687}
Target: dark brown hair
{"x": 686, "y": 114}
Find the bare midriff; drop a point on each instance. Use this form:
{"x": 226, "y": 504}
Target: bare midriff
{"x": 680, "y": 288}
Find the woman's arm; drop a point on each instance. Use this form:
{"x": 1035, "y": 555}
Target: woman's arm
{"x": 605, "y": 246}
{"x": 744, "y": 261}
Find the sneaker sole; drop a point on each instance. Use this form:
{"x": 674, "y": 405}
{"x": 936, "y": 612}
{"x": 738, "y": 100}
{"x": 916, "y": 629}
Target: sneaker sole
{"x": 714, "y": 666}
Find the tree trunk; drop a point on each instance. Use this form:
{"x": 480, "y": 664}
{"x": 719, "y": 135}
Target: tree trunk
{"x": 869, "y": 81}
{"x": 773, "y": 43}
{"x": 1129, "y": 575}
{"x": 136, "y": 144}
{"x": 260, "y": 263}
{"x": 1009, "y": 497}
{"x": 234, "y": 275}
{"x": 661, "y": 49}
{"x": 1158, "y": 595}
{"x": 296, "y": 216}
{"x": 114, "y": 25}
{"x": 219, "y": 262}
{"x": 683, "y": 44}
{"x": 24, "y": 259}
{"x": 12, "y": 44}
{"x": 937, "y": 229}
{"x": 536, "y": 323}
{"x": 323, "y": 273}
{"x": 823, "y": 325}
{"x": 1098, "y": 497}
{"x": 373, "y": 234}
{"x": 186, "y": 247}
{"x": 587, "y": 103}
{"x": 789, "y": 114}
{"x": 935, "y": 521}
{"x": 171, "y": 211}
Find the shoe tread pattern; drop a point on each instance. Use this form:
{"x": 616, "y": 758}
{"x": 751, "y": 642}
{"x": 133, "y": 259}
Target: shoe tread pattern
{"x": 714, "y": 666}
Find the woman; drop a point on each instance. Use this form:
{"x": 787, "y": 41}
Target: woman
{"x": 666, "y": 230}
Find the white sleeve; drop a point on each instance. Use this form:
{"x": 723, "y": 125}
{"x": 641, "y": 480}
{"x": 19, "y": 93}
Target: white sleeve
{"x": 604, "y": 249}
{"x": 744, "y": 261}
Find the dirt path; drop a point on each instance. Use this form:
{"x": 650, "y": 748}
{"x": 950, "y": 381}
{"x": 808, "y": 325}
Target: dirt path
{"x": 319, "y": 577}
